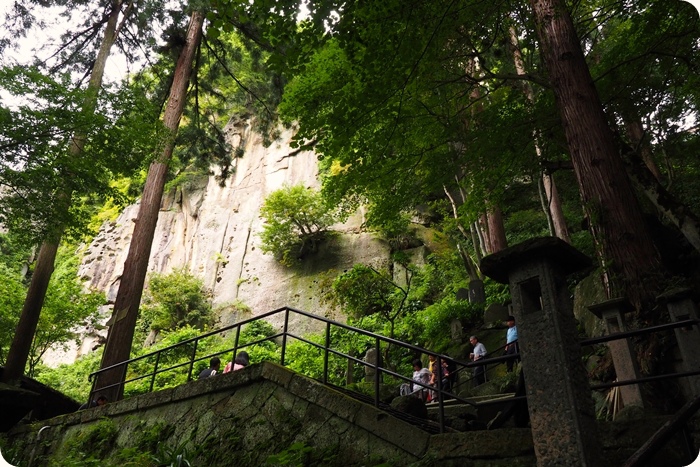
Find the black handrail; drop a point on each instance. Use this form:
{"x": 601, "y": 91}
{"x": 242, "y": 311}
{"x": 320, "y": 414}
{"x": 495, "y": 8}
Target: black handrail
{"x": 377, "y": 365}
{"x": 285, "y": 334}
{"x": 637, "y": 332}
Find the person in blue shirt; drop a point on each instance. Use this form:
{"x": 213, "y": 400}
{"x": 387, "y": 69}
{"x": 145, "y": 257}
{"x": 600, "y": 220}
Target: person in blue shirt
{"x": 511, "y": 341}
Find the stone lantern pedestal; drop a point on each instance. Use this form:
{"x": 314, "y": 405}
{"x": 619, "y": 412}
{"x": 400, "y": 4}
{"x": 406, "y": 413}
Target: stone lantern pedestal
{"x": 626, "y": 367}
{"x": 681, "y": 307}
{"x": 562, "y": 414}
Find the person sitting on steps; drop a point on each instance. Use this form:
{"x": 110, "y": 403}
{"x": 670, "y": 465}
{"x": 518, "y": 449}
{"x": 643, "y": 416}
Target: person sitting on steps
{"x": 420, "y": 375}
{"x": 241, "y": 361}
{"x": 214, "y": 365}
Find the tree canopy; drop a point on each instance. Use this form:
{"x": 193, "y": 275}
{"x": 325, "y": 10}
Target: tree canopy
{"x": 457, "y": 115}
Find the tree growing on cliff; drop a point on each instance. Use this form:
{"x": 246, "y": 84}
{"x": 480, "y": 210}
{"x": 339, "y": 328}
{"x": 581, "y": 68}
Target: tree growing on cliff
{"x": 176, "y": 299}
{"x": 296, "y": 220}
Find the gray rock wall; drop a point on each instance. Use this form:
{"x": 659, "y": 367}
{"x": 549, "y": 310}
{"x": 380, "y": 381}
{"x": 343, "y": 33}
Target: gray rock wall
{"x": 213, "y": 231}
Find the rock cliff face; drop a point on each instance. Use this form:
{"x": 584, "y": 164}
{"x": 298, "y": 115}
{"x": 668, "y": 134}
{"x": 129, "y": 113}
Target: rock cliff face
{"x": 213, "y": 231}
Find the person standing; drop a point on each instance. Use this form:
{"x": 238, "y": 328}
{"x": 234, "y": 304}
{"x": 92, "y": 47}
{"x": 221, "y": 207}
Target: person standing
{"x": 214, "y": 365}
{"x": 511, "y": 341}
{"x": 478, "y": 353}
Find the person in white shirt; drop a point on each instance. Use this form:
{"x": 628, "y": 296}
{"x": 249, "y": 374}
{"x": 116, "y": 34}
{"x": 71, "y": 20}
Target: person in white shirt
{"x": 478, "y": 353}
{"x": 420, "y": 375}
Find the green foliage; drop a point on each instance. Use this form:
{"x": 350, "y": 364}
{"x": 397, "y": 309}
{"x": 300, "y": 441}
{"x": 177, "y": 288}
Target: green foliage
{"x": 364, "y": 291}
{"x": 12, "y": 293}
{"x": 174, "y": 300}
{"x": 13, "y": 253}
{"x": 176, "y": 456}
{"x": 301, "y": 454}
{"x": 108, "y": 210}
{"x": 438, "y": 317}
{"x": 308, "y": 360}
{"x": 66, "y": 307}
{"x": 296, "y": 220}
{"x": 188, "y": 179}
{"x": 51, "y": 187}
{"x": 89, "y": 446}
{"x": 264, "y": 351}
{"x": 71, "y": 379}
{"x": 168, "y": 358}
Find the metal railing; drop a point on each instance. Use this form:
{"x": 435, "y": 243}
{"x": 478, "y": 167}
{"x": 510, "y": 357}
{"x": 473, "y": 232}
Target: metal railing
{"x": 327, "y": 348}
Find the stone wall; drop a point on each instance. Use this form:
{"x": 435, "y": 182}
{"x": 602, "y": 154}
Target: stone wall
{"x": 243, "y": 418}
{"x": 239, "y": 418}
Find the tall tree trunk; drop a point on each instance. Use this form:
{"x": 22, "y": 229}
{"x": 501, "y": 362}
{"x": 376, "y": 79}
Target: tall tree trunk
{"x": 635, "y": 133}
{"x": 496, "y": 230}
{"x": 490, "y": 223}
{"x": 665, "y": 203}
{"x": 624, "y": 246}
{"x": 126, "y": 305}
{"x": 552, "y": 207}
{"x": 469, "y": 264}
{"x": 24, "y": 335}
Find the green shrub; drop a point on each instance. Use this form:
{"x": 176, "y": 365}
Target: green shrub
{"x": 296, "y": 220}
{"x": 438, "y": 317}
{"x": 175, "y": 300}
{"x": 89, "y": 446}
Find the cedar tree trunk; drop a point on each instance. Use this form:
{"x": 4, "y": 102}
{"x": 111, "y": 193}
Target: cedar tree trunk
{"x": 126, "y": 306}
{"x": 624, "y": 246}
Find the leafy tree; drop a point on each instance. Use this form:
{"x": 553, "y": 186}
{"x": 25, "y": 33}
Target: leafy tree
{"x": 364, "y": 291}
{"x": 175, "y": 300}
{"x": 38, "y": 168}
{"x": 428, "y": 101}
{"x": 296, "y": 220}
{"x": 12, "y": 291}
{"x": 67, "y": 308}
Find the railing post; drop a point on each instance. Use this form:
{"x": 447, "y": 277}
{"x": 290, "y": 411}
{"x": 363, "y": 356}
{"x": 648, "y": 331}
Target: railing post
{"x": 92, "y": 388}
{"x": 622, "y": 350}
{"x": 284, "y": 335}
{"x": 235, "y": 346}
{"x": 681, "y": 307}
{"x": 194, "y": 355}
{"x": 122, "y": 384}
{"x": 377, "y": 372}
{"x": 155, "y": 372}
{"x": 325, "y": 355}
{"x": 441, "y": 406}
